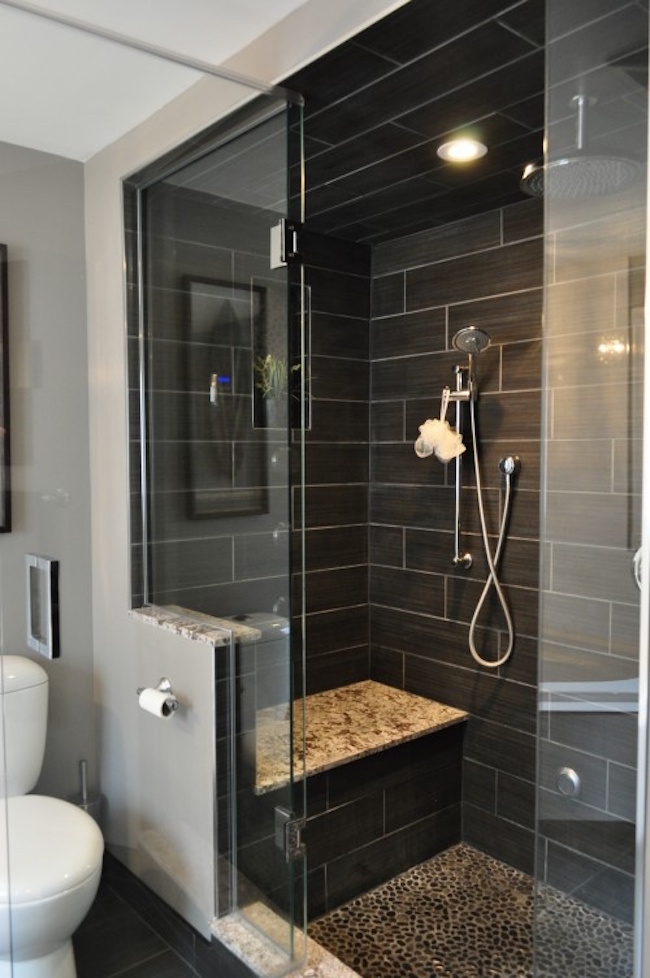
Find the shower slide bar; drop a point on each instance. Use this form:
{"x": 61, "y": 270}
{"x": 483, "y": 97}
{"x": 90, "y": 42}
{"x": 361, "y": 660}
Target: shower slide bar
{"x": 460, "y": 395}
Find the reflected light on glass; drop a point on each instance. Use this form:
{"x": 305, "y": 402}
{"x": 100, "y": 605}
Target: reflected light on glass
{"x": 611, "y": 348}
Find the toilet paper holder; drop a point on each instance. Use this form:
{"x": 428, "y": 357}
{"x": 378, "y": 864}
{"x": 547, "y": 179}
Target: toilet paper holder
{"x": 165, "y": 687}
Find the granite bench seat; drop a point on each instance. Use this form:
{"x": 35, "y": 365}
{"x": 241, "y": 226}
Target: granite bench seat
{"x": 343, "y": 725}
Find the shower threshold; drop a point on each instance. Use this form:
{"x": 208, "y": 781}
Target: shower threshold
{"x": 463, "y": 914}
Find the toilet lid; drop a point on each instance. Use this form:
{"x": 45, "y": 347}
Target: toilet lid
{"x": 53, "y": 846}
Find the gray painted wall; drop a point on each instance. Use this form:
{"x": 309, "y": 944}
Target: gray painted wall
{"x": 41, "y": 201}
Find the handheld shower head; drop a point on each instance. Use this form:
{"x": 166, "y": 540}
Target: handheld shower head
{"x": 470, "y": 339}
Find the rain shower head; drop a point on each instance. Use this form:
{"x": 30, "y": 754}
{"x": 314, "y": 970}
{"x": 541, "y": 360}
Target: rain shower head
{"x": 470, "y": 340}
{"x": 580, "y": 173}
{"x": 579, "y": 176}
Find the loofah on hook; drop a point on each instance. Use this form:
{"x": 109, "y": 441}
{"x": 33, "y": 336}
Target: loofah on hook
{"x": 439, "y": 438}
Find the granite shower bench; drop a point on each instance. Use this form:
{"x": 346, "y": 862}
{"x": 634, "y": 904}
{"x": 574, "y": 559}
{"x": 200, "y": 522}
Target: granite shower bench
{"x": 383, "y": 771}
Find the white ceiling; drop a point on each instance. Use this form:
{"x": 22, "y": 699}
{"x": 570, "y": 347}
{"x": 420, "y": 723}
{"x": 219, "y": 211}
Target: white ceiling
{"x": 66, "y": 92}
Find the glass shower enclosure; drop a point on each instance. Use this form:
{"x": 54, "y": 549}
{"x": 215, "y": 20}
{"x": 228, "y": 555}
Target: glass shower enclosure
{"x": 208, "y": 317}
{"x": 593, "y": 653}
{"x": 218, "y": 358}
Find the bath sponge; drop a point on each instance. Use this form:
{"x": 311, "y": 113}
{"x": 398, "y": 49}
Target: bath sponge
{"x": 439, "y": 438}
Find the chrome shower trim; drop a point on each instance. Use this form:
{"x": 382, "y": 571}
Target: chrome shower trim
{"x": 580, "y": 173}
{"x": 470, "y": 339}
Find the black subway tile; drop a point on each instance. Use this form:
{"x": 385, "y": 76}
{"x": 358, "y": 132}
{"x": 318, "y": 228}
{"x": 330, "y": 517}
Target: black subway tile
{"x": 424, "y": 757}
{"x": 381, "y": 860}
{"x": 418, "y": 797}
{"x": 418, "y": 635}
{"x": 507, "y": 318}
{"x": 339, "y": 336}
{"x": 388, "y": 295}
{"x": 516, "y": 800}
{"x": 336, "y": 588}
{"x": 340, "y": 668}
{"x": 587, "y": 830}
{"x": 346, "y": 827}
{"x": 335, "y": 254}
{"x": 326, "y": 461}
{"x": 387, "y": 421}
{"x": 500, "y": 838}
{"x": 501, "y": 270}
{"x": 335, "y": 505}
{"x": 407, "y": 590}
{"x": 479, "y": 786}
{"x": 339, "y": 421}
{"x": 449, "y": 241}
{"x": 336, "y": 629}
{"x": 339, "y": 379}
{"x": 398, "y": 463}
{"x": 412, "y": 333}
{"x": 611, "y": 735}
{"x": 501, "y": 747}
{"x": 387, "y": 666}
{"x": 339, "y": 293}
{"x": 332, "y": 547}
{"x": 416, "y": 28}
{"x": 428, "y": 507}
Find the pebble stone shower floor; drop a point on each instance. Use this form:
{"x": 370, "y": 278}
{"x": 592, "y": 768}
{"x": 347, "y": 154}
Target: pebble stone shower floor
{"x": 463, "y": 914}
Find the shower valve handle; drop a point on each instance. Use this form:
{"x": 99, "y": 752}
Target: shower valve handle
{"x": 510, "y": 465}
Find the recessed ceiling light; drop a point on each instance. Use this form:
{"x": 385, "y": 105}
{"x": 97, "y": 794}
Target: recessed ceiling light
{"x": 462, "y": 150}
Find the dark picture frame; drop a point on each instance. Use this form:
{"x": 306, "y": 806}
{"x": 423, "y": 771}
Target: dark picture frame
{"x": 5, "y": 428}
{"x": 226, "y": 458}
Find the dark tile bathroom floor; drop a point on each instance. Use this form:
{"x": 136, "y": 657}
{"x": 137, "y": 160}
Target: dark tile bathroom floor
{"x": 462, "y": 914}
{"x": 113, "y": 940}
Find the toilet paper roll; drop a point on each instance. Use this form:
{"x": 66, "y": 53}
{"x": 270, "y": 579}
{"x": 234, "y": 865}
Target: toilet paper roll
{"x": 158, "y": 703}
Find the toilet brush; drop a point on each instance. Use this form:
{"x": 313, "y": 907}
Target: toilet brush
{"x": 83, "y": 777}
{"x": 92, "y": 804}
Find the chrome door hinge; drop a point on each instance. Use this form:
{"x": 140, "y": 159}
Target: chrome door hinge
{"x": 288, "y": 834}
{"x": 285, "y": 243}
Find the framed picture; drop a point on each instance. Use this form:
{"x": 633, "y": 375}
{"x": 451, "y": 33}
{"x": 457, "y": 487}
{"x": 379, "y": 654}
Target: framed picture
{"x": 227, "y": 466}
{"x": 5, "y": 455}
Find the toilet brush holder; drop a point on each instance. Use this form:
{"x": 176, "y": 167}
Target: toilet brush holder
{"x": 92, "y": 804}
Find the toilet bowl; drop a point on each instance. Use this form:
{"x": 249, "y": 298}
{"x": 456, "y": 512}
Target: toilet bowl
{"x": 50, "y": 852}
{"x": 49, "y": 874}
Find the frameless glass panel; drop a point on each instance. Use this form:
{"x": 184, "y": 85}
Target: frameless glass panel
{"x": 216, "y": 346}
{"x": 77, "y": 114}
{"x": 5, "y": 894}
{"x": 594, "y": 185}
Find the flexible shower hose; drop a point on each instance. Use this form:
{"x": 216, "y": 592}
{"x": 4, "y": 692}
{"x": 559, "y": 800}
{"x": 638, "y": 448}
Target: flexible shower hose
{"x": 492, "y": 579}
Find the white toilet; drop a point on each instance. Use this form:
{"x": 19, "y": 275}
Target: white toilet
{"x": 51, "y": 866}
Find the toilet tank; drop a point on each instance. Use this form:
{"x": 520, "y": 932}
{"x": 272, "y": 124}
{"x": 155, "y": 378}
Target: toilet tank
{"x": 23, "y": 700}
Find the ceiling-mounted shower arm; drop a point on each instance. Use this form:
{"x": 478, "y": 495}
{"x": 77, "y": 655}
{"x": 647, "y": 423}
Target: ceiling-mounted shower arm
{"x": 581, "y": 103}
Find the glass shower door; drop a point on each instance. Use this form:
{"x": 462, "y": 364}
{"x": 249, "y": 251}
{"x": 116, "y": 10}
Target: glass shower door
{"x": 218, "y": 362}
{"x": 588, "y": 910}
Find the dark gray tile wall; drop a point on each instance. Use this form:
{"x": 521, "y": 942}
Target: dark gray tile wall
{"x": 367, "y": 821}
{"x": 420, "y": 606}
{"x": 336, "y": 464}
{"x": 378, "y": 107}
{"x": 484, "y": 271}
{"x": 219, "y": 500}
